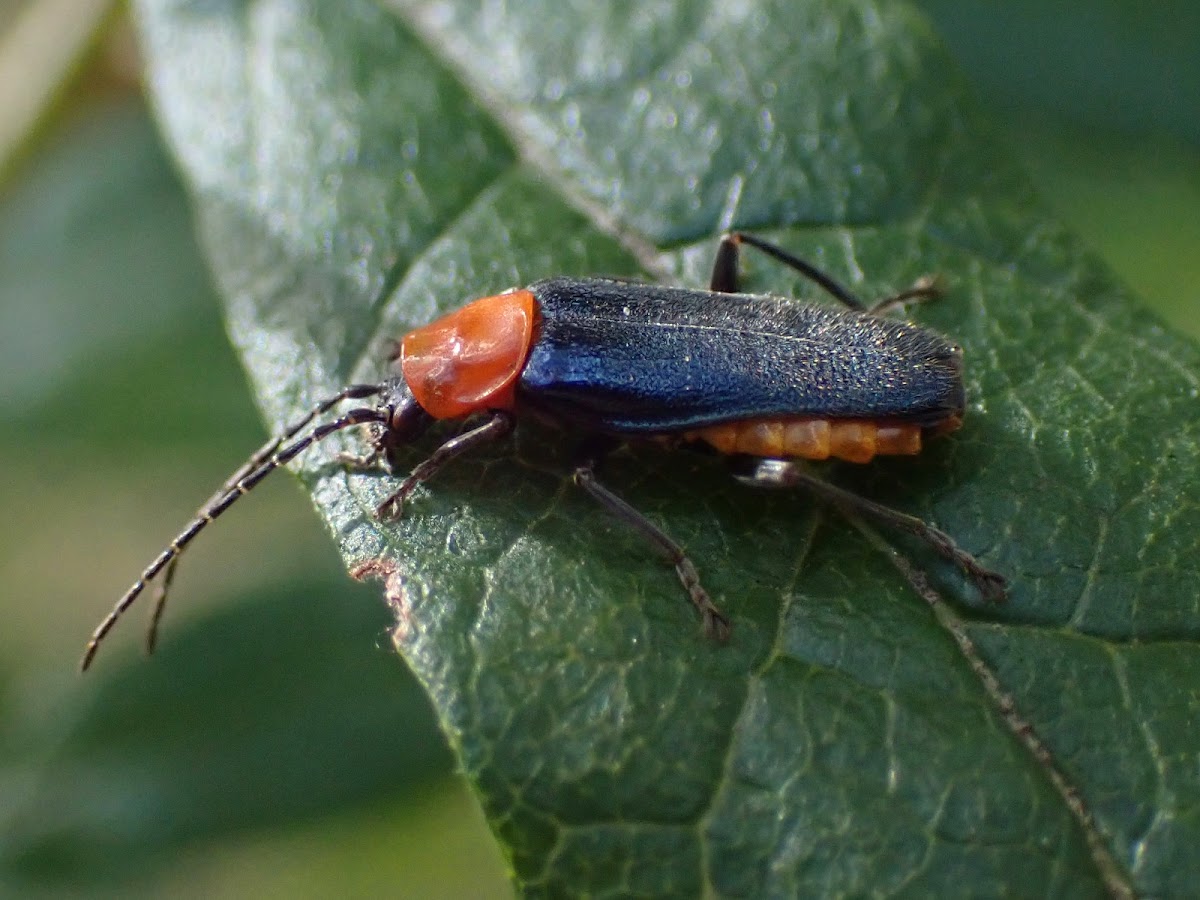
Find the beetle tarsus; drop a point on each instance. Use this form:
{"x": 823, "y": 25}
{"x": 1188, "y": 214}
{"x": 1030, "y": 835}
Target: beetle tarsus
{"x": 392, "y": 507}
{"x": 716, "y": 624}
{"x": 927, "y": 287}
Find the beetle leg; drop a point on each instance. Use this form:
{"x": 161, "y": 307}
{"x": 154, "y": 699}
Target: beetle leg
{"x": 725, "y": 278}
{"x": 725, "y": 268}
{"x": 716, "y": 624}
{"x": 780, "y": 473}
{"x": 725, "y": 275}
{"x": 498, "y": 424}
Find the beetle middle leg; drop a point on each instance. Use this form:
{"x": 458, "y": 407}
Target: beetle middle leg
{"x": 725, "y": 277}
{"x": 716, "y": 623}
{"x": 780, "y": 473}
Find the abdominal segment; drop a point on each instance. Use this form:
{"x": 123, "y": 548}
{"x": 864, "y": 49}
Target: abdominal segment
{"x": 854, "y": 440}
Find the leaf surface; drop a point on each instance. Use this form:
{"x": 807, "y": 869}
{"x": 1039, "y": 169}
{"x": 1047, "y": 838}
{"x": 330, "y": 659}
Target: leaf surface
{"x": 358, "y": 169}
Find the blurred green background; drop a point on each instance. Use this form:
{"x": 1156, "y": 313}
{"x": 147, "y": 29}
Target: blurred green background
{"x": 276, "y": 745}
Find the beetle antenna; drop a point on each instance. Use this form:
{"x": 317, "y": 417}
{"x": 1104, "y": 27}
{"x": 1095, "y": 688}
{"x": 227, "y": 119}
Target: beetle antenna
{"x": 251, "y": 473}
{"x": 260, "y": 456}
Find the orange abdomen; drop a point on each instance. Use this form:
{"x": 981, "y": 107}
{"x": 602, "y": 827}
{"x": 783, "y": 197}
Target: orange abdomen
{"x": 854, "y": 440}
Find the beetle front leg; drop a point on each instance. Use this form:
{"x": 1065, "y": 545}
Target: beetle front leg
{"x": 778, "y": 473}
{"x": 716, "y": 623}
{"x": 499, "y": 424}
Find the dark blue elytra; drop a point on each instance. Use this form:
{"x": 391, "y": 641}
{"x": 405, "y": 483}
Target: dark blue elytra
{"x": 635, "y": 359}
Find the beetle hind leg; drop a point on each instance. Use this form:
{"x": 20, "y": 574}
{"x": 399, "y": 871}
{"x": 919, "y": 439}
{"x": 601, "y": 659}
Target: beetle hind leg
{"x": 778, "y": 473}
{"x": 725, "y": 277}
{"x": 716, "y": 623}
{"x": 726, "y": 280}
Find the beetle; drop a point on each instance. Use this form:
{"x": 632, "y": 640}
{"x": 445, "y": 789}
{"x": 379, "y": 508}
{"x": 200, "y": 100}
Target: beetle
{"x": 765, "y": 380}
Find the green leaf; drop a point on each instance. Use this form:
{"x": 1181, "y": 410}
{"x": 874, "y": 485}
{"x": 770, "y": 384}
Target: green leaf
{"x": 357, "y": 170}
